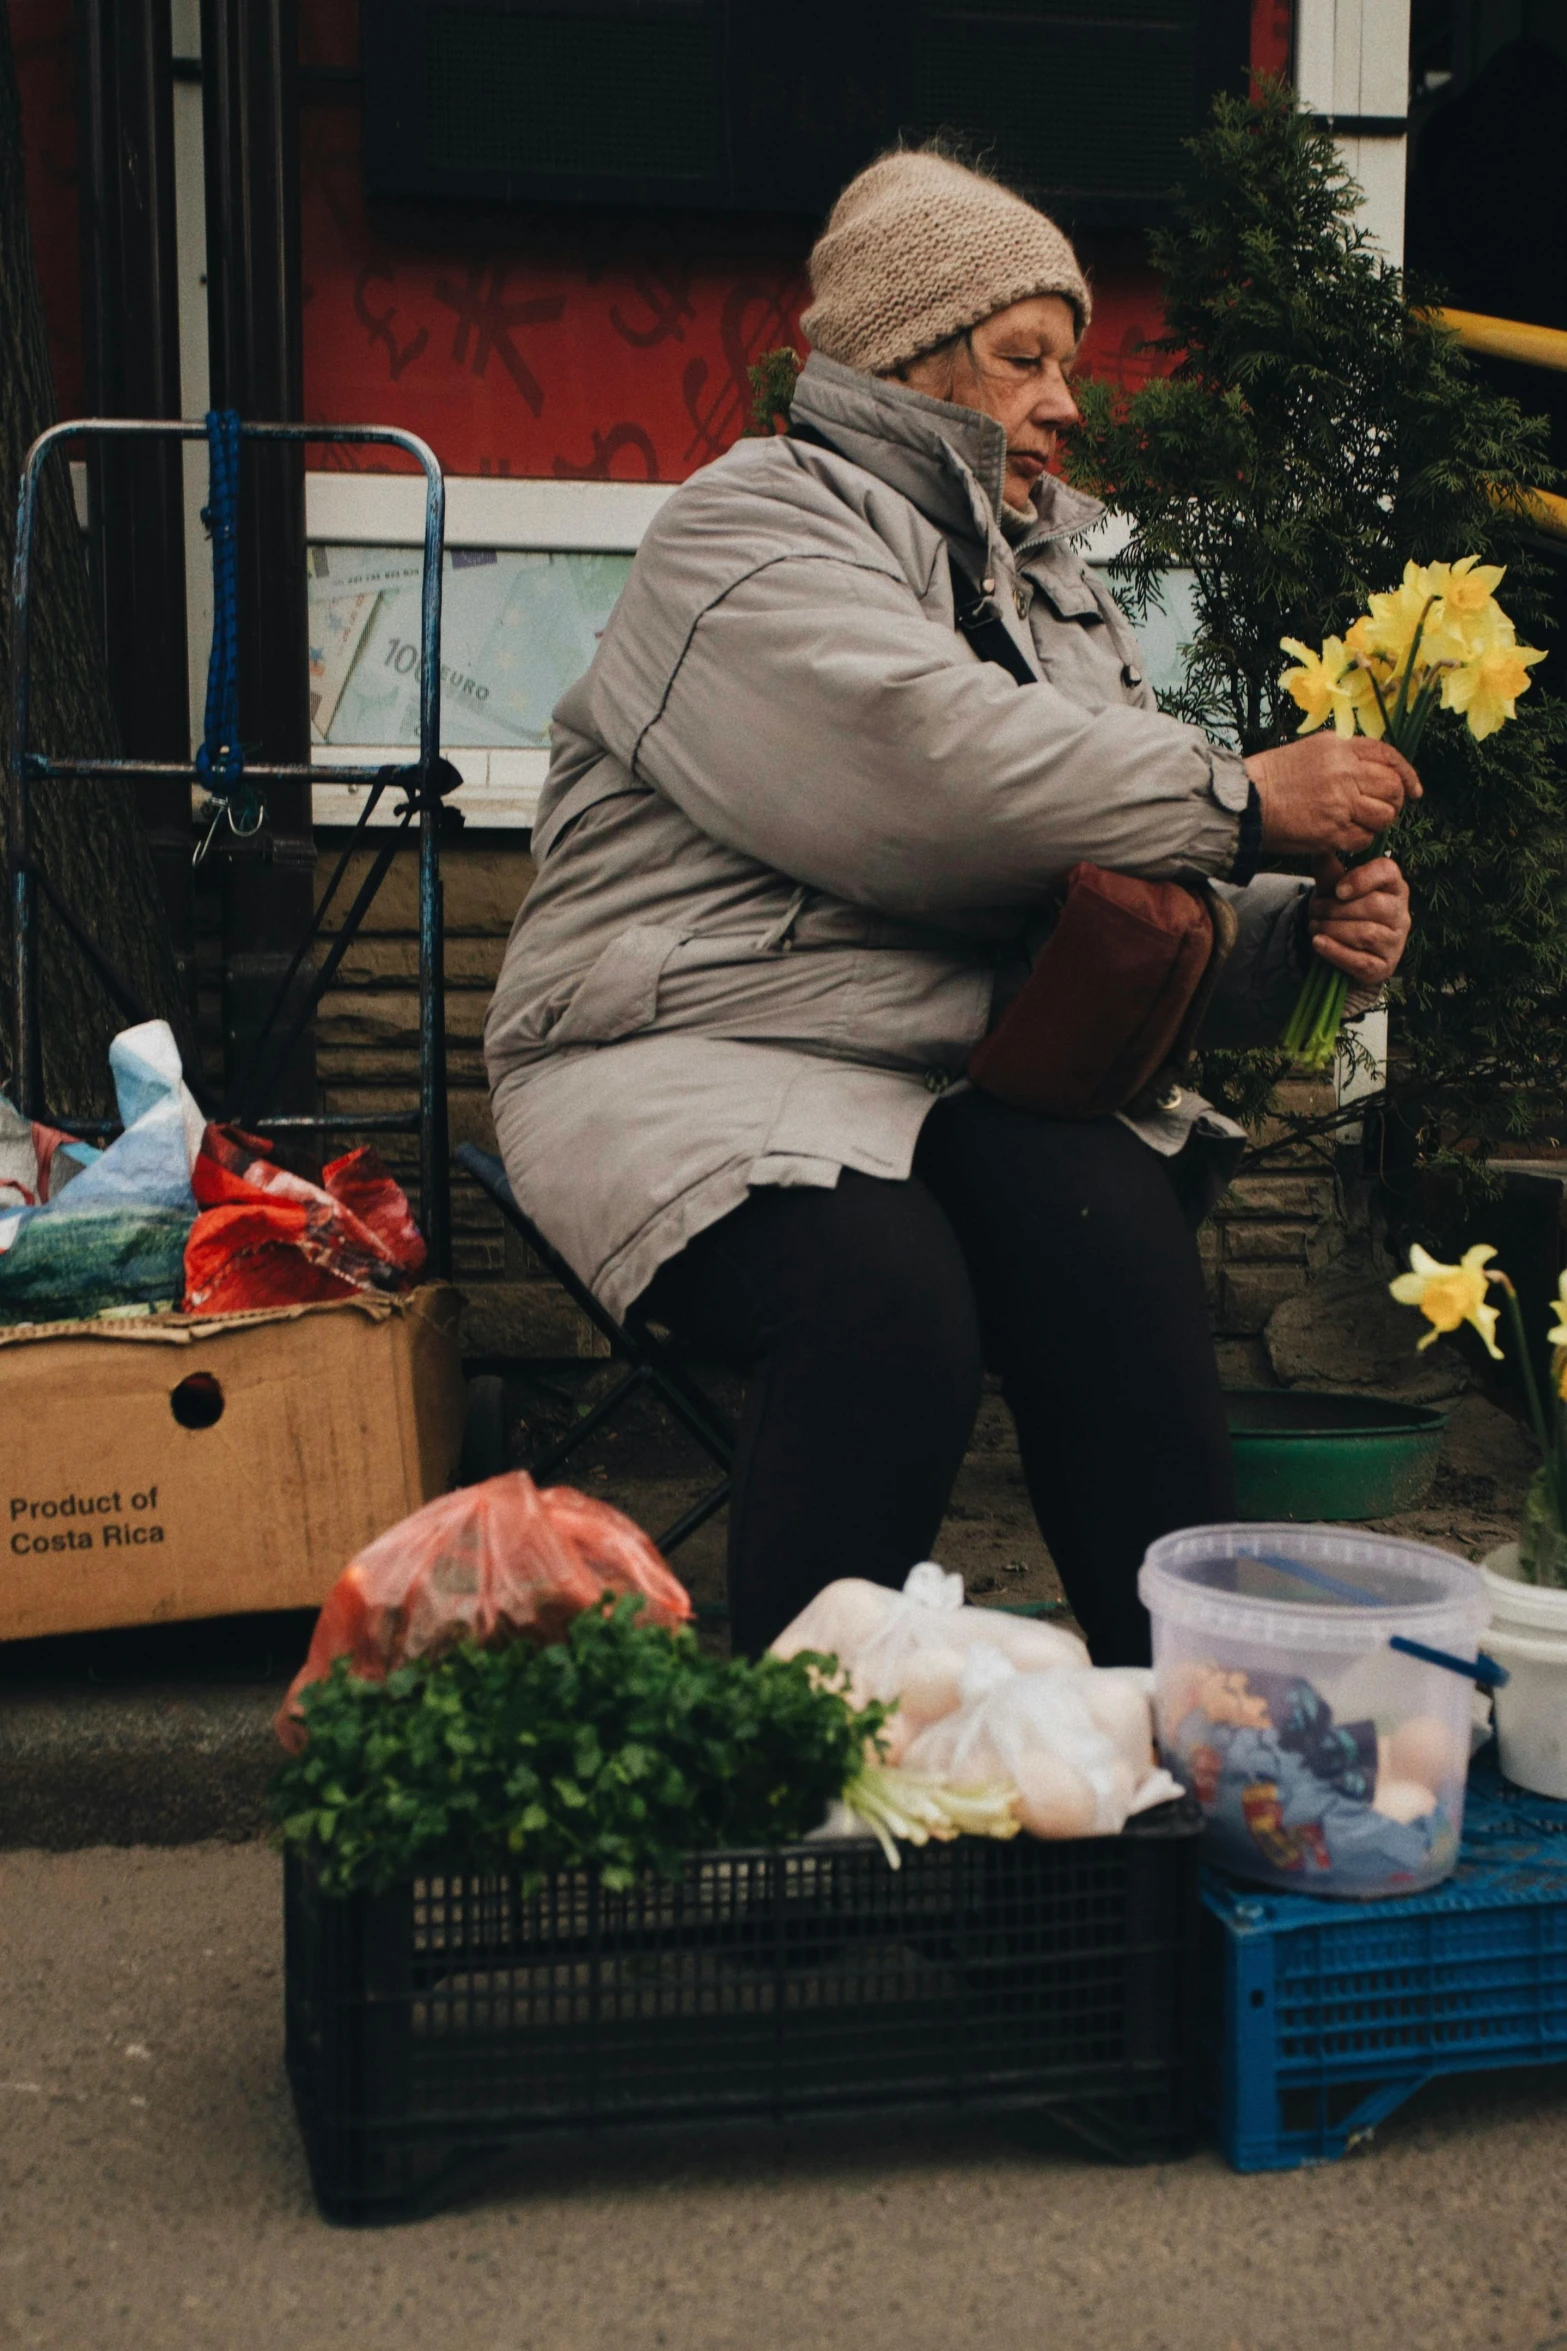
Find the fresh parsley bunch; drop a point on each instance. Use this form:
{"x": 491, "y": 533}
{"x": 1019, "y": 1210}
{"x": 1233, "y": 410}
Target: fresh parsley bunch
{"x": 621, "y": 1748}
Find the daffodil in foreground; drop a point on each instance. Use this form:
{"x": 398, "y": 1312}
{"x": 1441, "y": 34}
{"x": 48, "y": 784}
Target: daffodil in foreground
{"x": 1401, "y": 615}
{"x": 1466, "y": 588}
{"x": 1557, "y": 1336}
{"x": 1449, "y": 1295}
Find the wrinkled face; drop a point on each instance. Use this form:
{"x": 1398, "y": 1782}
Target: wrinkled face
{"x": 1013, "y": 367}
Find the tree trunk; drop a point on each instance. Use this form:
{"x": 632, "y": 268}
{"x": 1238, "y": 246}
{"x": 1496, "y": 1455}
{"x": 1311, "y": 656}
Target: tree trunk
{"x": 87, "y": 836}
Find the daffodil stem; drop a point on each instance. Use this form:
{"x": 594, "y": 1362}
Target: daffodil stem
{"x": 1544, "y": 1437}
{"x": 1311, "y": 1032}
{"x": 1396, "y": 723}
{"x": 1381, "y": 703}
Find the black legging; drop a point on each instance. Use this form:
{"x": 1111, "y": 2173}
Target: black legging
{"x": 1054, "y": 1253}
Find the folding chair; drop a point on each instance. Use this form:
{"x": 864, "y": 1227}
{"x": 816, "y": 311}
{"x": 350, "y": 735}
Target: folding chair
{"x": 652, "y": 1362}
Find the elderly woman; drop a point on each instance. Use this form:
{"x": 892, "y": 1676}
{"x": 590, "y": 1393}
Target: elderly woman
{"x": 800, "y": 838}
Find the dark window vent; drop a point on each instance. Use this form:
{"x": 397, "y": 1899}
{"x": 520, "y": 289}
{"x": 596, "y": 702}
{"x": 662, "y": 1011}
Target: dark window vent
{"x": 732, "y": 105}
{"x": 539, "y": 95}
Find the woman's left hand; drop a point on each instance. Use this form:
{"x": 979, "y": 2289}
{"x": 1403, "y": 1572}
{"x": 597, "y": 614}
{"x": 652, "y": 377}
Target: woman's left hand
{"x": 1360, "y": 919}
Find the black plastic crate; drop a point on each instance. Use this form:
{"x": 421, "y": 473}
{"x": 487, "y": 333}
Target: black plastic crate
{"x": 456, "y": 2014}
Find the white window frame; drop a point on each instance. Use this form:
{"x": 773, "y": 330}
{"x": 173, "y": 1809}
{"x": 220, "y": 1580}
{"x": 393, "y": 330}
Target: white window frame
{"x": 500, "y": 787}
{"x": 1352, "y": 70}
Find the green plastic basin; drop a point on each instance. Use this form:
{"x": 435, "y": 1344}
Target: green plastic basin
{"x": 1325, "y": 1457}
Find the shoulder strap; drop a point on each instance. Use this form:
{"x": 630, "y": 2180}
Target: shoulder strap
{"x": 800, "y": 430}
{"x": 976, "y": 618}
{"x": 974, "y": 615}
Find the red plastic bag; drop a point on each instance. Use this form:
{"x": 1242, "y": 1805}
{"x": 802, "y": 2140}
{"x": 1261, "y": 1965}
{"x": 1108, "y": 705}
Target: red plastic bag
{"x": 31, "y": 1169}
{"x": 267, "y": 1236}
{"x": 492, "y": 1563}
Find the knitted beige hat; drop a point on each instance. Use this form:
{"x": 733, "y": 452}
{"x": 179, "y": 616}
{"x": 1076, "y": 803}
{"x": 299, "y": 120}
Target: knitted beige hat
{"x": 916, "y": 249}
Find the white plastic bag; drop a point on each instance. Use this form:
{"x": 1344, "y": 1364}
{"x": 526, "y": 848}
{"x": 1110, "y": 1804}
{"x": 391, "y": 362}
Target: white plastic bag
{"x": 114, "y": 1238}
{"x": 913, "y": 1645}
{"x": 149, "y": 1163}
{"x": 1076, "y": 1743}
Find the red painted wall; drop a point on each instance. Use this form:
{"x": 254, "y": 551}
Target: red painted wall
{"x": 544, "y": 353}
{"x": 1272, "y": 38}
{"x": 45, "y": 49}
{"x": 564, "y": 347}
{"x": 550, "y": 354}
{"x": 551, "y": 346}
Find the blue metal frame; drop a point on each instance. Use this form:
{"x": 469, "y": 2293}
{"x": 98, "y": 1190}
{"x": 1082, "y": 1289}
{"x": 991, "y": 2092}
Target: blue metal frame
{"x": 28, "y": 767}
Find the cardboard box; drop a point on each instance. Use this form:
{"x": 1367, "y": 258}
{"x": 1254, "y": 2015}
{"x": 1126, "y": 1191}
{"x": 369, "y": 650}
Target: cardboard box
{"x": 172, "y": 1466}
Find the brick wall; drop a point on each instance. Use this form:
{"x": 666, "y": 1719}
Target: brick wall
{"x": 1258, "y": 1247}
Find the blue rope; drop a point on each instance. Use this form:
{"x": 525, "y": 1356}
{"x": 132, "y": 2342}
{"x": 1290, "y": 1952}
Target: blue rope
{"x": 220, "y": 761}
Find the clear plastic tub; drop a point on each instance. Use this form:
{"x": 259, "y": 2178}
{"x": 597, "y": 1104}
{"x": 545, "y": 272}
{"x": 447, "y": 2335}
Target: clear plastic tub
{"x": 1326, "y": 1760}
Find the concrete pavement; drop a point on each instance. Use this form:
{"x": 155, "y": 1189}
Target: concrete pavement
{"x": 153, "y": 2196}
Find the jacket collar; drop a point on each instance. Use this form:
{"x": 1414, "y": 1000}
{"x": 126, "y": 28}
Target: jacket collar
{"x": 948, "y": 461}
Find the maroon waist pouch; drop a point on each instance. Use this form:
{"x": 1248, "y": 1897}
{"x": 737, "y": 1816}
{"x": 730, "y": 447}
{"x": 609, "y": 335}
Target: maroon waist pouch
{"x": 1113, "y": 1002}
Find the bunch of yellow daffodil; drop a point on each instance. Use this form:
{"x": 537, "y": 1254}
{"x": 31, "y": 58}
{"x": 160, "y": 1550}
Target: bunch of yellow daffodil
{"x": 1439, "y": 637}
{"x": 1437, "y": 640}
{"x": 1451, "y": 1295}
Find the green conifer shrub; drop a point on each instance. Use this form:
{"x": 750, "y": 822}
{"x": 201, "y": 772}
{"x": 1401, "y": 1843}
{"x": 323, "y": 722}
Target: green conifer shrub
{"x": 1315, "y": 433}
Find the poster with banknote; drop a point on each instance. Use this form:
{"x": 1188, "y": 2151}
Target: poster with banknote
{"x": 517, "y": 629}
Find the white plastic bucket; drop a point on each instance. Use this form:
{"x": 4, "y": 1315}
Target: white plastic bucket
{"x": 1529, "y": 1636}
{"x": 1326, "y": 1760}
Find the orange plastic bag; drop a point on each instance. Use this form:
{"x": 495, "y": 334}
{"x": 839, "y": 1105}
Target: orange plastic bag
{"x": 493, "y": 1563}
{"x": 267, "y": 1236}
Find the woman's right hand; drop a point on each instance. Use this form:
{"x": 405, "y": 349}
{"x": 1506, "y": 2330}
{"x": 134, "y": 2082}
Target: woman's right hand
{"x": 1330, "y": 792}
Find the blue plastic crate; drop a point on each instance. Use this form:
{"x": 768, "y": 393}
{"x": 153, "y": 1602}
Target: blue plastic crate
{"x": 1325, "y": 2016}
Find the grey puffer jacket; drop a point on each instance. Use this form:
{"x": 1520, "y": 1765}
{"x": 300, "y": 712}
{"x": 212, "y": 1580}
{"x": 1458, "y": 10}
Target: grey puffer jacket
{"x": 796, "y": 836}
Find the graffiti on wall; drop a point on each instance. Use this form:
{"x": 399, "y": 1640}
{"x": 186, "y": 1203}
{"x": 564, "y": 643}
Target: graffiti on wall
{"x": 540, "y": 344}
{"x": 583, "y": 347}
{"x": 543, "y": 353}
{"x": 533, "y": 349}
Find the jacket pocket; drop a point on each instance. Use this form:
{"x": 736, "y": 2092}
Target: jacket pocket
{"x": 619, "y": 993}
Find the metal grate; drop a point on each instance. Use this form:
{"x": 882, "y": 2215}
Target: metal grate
{"x": 461, "y": 2012}
{"x": 619, "y": 94}
{"x": 692, "y": 103}
{"x": 1064, "y": 98}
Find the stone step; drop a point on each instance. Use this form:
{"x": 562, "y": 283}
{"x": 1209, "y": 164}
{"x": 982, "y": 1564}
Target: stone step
{"x": 161, "y": 1764}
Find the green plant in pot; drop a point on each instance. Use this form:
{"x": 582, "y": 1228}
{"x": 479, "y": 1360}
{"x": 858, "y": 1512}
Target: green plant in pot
{"x": 1542, "y": 1544}
{"x": 1527, "y": 1580}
